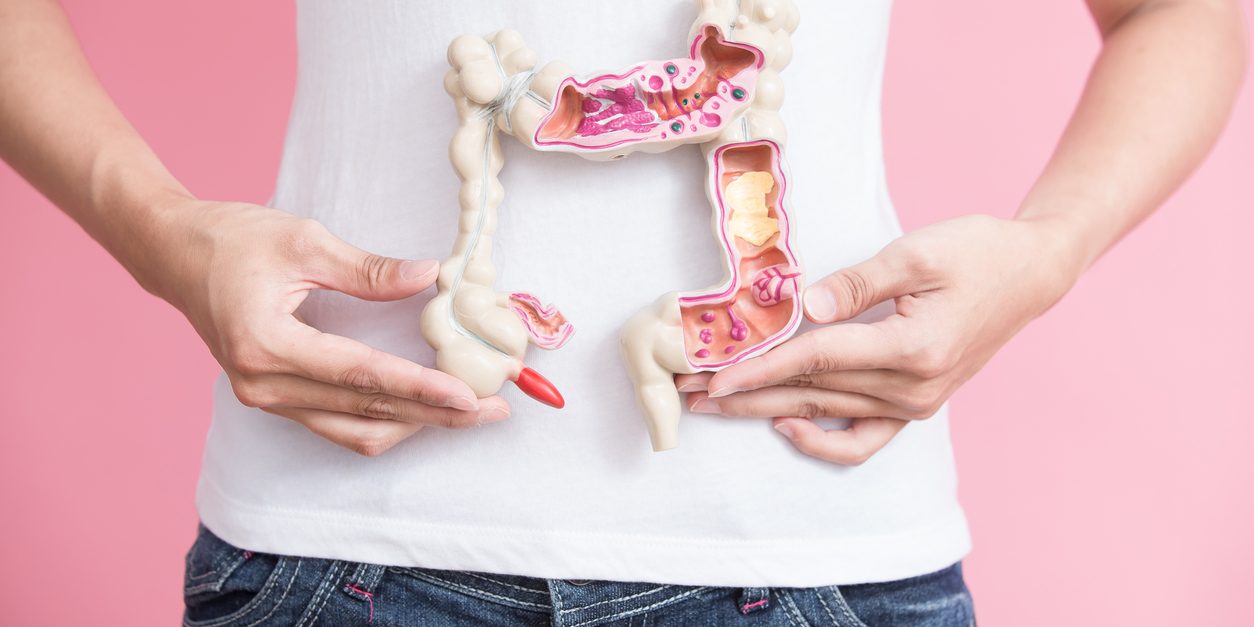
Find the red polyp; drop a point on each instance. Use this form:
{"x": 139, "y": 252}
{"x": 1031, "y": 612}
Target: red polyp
{"x": 539, "y": 388}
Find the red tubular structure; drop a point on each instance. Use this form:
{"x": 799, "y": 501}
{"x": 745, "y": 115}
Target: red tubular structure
{"x": 539, "y": 388}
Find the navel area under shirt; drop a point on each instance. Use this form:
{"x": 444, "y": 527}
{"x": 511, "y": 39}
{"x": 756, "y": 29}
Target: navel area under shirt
{"x": 575, "y": 493}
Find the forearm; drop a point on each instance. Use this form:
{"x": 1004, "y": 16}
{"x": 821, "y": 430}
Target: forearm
{"x": 1155, "y": 102}
{"x": 60, "y": 130}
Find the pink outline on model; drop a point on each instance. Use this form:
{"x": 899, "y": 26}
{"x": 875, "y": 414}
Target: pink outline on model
{"x": 734, "y": 283}
{"x": 664, "y": 134}
{"x": 523, "y": 303}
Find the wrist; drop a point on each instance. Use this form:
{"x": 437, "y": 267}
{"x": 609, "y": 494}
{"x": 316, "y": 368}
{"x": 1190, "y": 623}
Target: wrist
{"x": 133, "y": 210}
{"x": 1068, "y": 235}
{"x": 165, "y": 244}
{"x": 1059, "y": 253}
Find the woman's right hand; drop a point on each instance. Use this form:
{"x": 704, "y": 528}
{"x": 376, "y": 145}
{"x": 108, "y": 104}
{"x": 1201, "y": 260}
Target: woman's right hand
{"x": 239, "y": 271}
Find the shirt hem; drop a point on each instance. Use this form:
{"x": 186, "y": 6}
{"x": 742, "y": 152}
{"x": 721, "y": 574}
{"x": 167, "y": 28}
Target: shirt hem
{"x": 769, "y": 562}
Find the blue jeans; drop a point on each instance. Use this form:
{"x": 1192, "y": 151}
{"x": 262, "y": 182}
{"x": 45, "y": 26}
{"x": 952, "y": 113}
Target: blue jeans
{"x": 228, "y": 587}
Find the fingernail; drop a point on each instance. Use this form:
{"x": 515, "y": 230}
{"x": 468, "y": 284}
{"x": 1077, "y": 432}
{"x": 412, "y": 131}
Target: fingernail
{"x": 820, "y": 304}
{"x": 690, "y": 387}
{"x": 419, "y": 269}
{"x": 785, "y": 429}
{"x": 464, "y": 403}
{"x": 724, "y": 391}
{"x": 494, "y": 414}
{"x": 706, "y": 406}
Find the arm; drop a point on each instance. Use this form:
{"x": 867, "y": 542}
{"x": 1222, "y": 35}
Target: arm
{"x": 1155, "y": 102}
{"x": 64, "y": 135}
{"x": 237, "y": 271}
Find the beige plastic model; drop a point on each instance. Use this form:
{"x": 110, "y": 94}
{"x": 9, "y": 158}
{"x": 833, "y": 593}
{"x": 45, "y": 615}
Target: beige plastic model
{"x": 725, "y": 95}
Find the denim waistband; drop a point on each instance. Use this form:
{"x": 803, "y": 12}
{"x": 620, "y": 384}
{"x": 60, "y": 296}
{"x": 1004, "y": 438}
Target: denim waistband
{"x": 579, "y": 603}
{"x": 301, "y": 591}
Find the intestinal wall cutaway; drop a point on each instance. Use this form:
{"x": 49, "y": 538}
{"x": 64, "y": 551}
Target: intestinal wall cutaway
{"x": 725, "y": 96}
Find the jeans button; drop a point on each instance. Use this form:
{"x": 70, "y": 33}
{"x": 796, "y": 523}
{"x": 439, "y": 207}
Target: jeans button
{"x": 578, "y": 582}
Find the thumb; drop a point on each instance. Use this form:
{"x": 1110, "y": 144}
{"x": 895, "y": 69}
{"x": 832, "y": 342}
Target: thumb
{"x": 846, "y": 293}
{"x": 374, "y": 277}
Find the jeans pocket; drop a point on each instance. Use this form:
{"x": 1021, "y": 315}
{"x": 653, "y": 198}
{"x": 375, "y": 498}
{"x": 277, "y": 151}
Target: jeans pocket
{"x": 939, "y": 599}
{"x": 225, "y": 585}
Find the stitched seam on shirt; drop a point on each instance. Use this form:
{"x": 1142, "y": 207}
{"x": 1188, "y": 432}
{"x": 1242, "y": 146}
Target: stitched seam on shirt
{"x": 358, "y": 519}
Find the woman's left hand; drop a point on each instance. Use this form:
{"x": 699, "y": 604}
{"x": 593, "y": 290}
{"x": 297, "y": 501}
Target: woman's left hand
{"x": 962, "y": 289}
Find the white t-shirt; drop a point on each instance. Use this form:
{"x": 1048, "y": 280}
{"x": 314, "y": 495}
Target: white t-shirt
{"x": 575, "y": 493}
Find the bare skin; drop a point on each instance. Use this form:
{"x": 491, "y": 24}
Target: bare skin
{"x": 1155, "y": 102}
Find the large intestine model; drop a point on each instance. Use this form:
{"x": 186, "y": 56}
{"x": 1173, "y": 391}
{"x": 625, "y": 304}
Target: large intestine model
{"x": 725, "y": 95}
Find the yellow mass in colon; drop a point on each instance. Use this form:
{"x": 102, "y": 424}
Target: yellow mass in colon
{"x": 747, "y": 197}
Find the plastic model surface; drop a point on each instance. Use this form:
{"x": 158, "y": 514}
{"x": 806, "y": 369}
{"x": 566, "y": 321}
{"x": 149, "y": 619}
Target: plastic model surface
{"x": 725, "y": 95}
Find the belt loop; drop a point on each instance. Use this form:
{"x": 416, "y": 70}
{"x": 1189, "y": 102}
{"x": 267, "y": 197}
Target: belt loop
{"x": 753, "y": 599}
{"x": 362, "y": 583}
{"x": 366, "y": 576}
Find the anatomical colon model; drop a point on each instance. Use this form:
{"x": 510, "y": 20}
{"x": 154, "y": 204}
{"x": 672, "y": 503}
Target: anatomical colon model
{"x": 724, "y": 96}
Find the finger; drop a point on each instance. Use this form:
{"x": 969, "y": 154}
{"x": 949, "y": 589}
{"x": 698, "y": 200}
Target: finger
{"x": 366, "y": 436}
{"x": 879, "y": 382}
{"x": 853, "y": 446}
{"x": 849, "y": 346}
{"x": 346, "y": 268}
{"x": 775, "y": 401}
{"x": 347, "y": 363}
{"x": 849, "y": 292}
{"x": 693, "y": 382}
{"x": 918, "y": 397}
{"x": 293, "y": 391}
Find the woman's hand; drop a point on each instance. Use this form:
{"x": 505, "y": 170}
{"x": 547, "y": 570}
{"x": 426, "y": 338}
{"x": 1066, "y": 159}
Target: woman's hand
{"x": 238, "y": 272}
{"x": 1156, "y": 99}
{"x": 962, "y": 288}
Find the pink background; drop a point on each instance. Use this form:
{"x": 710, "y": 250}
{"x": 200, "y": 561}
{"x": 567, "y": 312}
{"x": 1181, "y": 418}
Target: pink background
{"x": 1104, "y": 454}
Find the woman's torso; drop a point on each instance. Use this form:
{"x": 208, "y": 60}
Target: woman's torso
{"x": 575, "y": 493}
